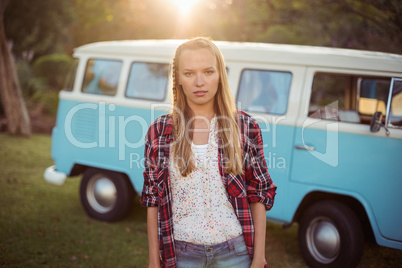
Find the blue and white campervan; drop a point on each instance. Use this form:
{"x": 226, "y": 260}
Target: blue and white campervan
{"x": 331, "y": 121}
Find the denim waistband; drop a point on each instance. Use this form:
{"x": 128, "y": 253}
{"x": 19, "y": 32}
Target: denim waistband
{"x": 231, "y": 244}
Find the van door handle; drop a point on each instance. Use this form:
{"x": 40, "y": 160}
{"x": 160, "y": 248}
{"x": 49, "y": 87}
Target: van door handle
{"x": 304, "y": 147}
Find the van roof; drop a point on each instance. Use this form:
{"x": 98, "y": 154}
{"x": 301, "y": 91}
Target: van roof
{"x": 258, "y": 53}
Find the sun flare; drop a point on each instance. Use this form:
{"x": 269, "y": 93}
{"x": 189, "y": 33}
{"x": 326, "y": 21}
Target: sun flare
{"x": 184, "y": 6}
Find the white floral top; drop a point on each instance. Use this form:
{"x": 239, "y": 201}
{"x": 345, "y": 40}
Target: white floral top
{"x": 202, "y": 213}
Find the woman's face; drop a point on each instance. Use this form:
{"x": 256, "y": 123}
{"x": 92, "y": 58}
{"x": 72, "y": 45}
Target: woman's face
{"x": 199, "y": 77}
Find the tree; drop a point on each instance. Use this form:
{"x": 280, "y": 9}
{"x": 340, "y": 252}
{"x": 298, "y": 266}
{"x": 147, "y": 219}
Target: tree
{"x": 107, "y": 20}
{"x": 13, "y": 104}
{"x": 359, "y": 24}
{"x": 28, "y": 29}
{"x": 384, "y": 21}
{"x": 38, "y": 27}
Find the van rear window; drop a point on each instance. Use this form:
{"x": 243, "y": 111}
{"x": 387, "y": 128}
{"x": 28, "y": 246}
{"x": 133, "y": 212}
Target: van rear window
{"x": 264, "y": 91}
{"x": 101, "y": 77}
{"x": 147, "y": 81}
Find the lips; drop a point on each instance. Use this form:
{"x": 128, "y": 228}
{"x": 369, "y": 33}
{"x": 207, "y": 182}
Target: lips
{"x": 200, "y": 93}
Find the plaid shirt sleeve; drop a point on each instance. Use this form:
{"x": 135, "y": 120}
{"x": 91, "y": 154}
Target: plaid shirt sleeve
{"x": 259, "y": 185}
{"x": 152, "y": 172}
{"x": 155, "y": 191}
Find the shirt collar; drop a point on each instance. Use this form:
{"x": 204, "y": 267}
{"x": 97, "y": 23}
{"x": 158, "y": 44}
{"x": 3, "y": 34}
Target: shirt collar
{"x": 168, "y": 130}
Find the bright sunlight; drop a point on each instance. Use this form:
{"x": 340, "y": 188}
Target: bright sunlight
{"x": 184, "y": 6}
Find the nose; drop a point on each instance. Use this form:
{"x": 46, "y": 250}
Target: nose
{"x": 199, "y": 80}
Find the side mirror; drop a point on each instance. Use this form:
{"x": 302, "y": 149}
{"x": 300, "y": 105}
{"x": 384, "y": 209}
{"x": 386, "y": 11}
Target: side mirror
{"x": 376, "y": 124}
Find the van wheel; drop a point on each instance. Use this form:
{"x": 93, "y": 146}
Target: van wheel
{"x": 105, "y": 195}
{"x": 330, "y": 235}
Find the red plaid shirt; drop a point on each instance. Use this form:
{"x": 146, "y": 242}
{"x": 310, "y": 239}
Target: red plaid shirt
{"x": 255, "y": 185}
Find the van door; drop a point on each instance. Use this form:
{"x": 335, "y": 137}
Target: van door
{"x": 271, "y": 94}
{"x": 335, "y": 152}
{"x": 388, "y": 213}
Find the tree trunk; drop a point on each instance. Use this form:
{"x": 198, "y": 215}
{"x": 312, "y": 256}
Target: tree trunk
{"x": 11, "y": 97}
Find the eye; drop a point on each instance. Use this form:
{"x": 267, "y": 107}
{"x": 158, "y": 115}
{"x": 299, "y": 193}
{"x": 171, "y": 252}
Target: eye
{"x": 188, "y": 74}
{"x": 209, "y": 72}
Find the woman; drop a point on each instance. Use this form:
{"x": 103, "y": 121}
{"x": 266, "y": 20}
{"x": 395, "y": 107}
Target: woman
{"x": 206, "y": 183}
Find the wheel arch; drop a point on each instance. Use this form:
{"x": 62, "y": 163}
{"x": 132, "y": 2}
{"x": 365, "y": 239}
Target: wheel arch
{"x": 353, "y": 203}
{"x": 79, "y": 169}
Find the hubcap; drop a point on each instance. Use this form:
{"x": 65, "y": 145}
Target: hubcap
{"x": 323, "y": 240}
{"x": 101, "y": 193}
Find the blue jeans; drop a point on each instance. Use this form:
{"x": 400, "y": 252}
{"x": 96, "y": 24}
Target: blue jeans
{"x": 230, "y": 254}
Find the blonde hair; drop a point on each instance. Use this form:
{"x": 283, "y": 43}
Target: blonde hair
{"x": 225, "y": 109}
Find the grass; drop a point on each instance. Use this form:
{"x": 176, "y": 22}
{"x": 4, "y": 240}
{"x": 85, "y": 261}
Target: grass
{"x": 42, "y": 225}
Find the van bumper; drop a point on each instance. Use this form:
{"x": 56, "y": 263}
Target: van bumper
{"x": 53, "y": 176}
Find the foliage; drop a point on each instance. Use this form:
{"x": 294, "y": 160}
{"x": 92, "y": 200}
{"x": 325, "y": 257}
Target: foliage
{"x": 41, "y": 83}
{"x": 359, "y": 24}
{"x": 53, "y": 68}
{"x": 38, "y": 28}
{"x": 46, "y": 103}
{"x": 30, "y": 84}
{"x": 47, "y": 26}
{"x": 38, "y": 95}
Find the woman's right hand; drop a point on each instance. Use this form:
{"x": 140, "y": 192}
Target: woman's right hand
{"x": 154, "y": 265}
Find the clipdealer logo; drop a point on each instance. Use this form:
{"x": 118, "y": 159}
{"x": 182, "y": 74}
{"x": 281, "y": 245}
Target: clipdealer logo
{"x": 112, "y": 131}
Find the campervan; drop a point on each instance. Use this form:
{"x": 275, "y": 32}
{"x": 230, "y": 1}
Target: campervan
{"x": 331, "y": 121}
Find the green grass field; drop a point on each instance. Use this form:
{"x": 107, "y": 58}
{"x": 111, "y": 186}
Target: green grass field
{"x": 43, "y": 225}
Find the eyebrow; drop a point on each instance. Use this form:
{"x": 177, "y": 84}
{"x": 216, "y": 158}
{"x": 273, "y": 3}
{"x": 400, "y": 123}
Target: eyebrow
{"x": 208, "y": 68}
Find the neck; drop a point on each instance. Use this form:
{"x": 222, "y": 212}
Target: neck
{"x": 203, "y": 111}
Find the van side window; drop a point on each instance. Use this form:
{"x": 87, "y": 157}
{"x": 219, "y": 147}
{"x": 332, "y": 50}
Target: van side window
{"x": 264, "y": 91}
{"x": 348, "y": 98}
{"x": 395, "y": 113}
{"x": 328, "y": 96}
{"x": 147, "y": 81}
{"x": 101, "y": 77}
{"x": 373, "y": 96}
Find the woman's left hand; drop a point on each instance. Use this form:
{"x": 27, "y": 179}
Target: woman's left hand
{"x": 258, "y": 264}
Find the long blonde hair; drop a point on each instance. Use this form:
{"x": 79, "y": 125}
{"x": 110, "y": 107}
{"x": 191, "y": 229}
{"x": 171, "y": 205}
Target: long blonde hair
{"x": 225, "y": 109}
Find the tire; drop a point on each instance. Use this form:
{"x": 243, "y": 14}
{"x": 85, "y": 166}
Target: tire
{"x": 105, "y": 195}
{"x": 330, "y": 235}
